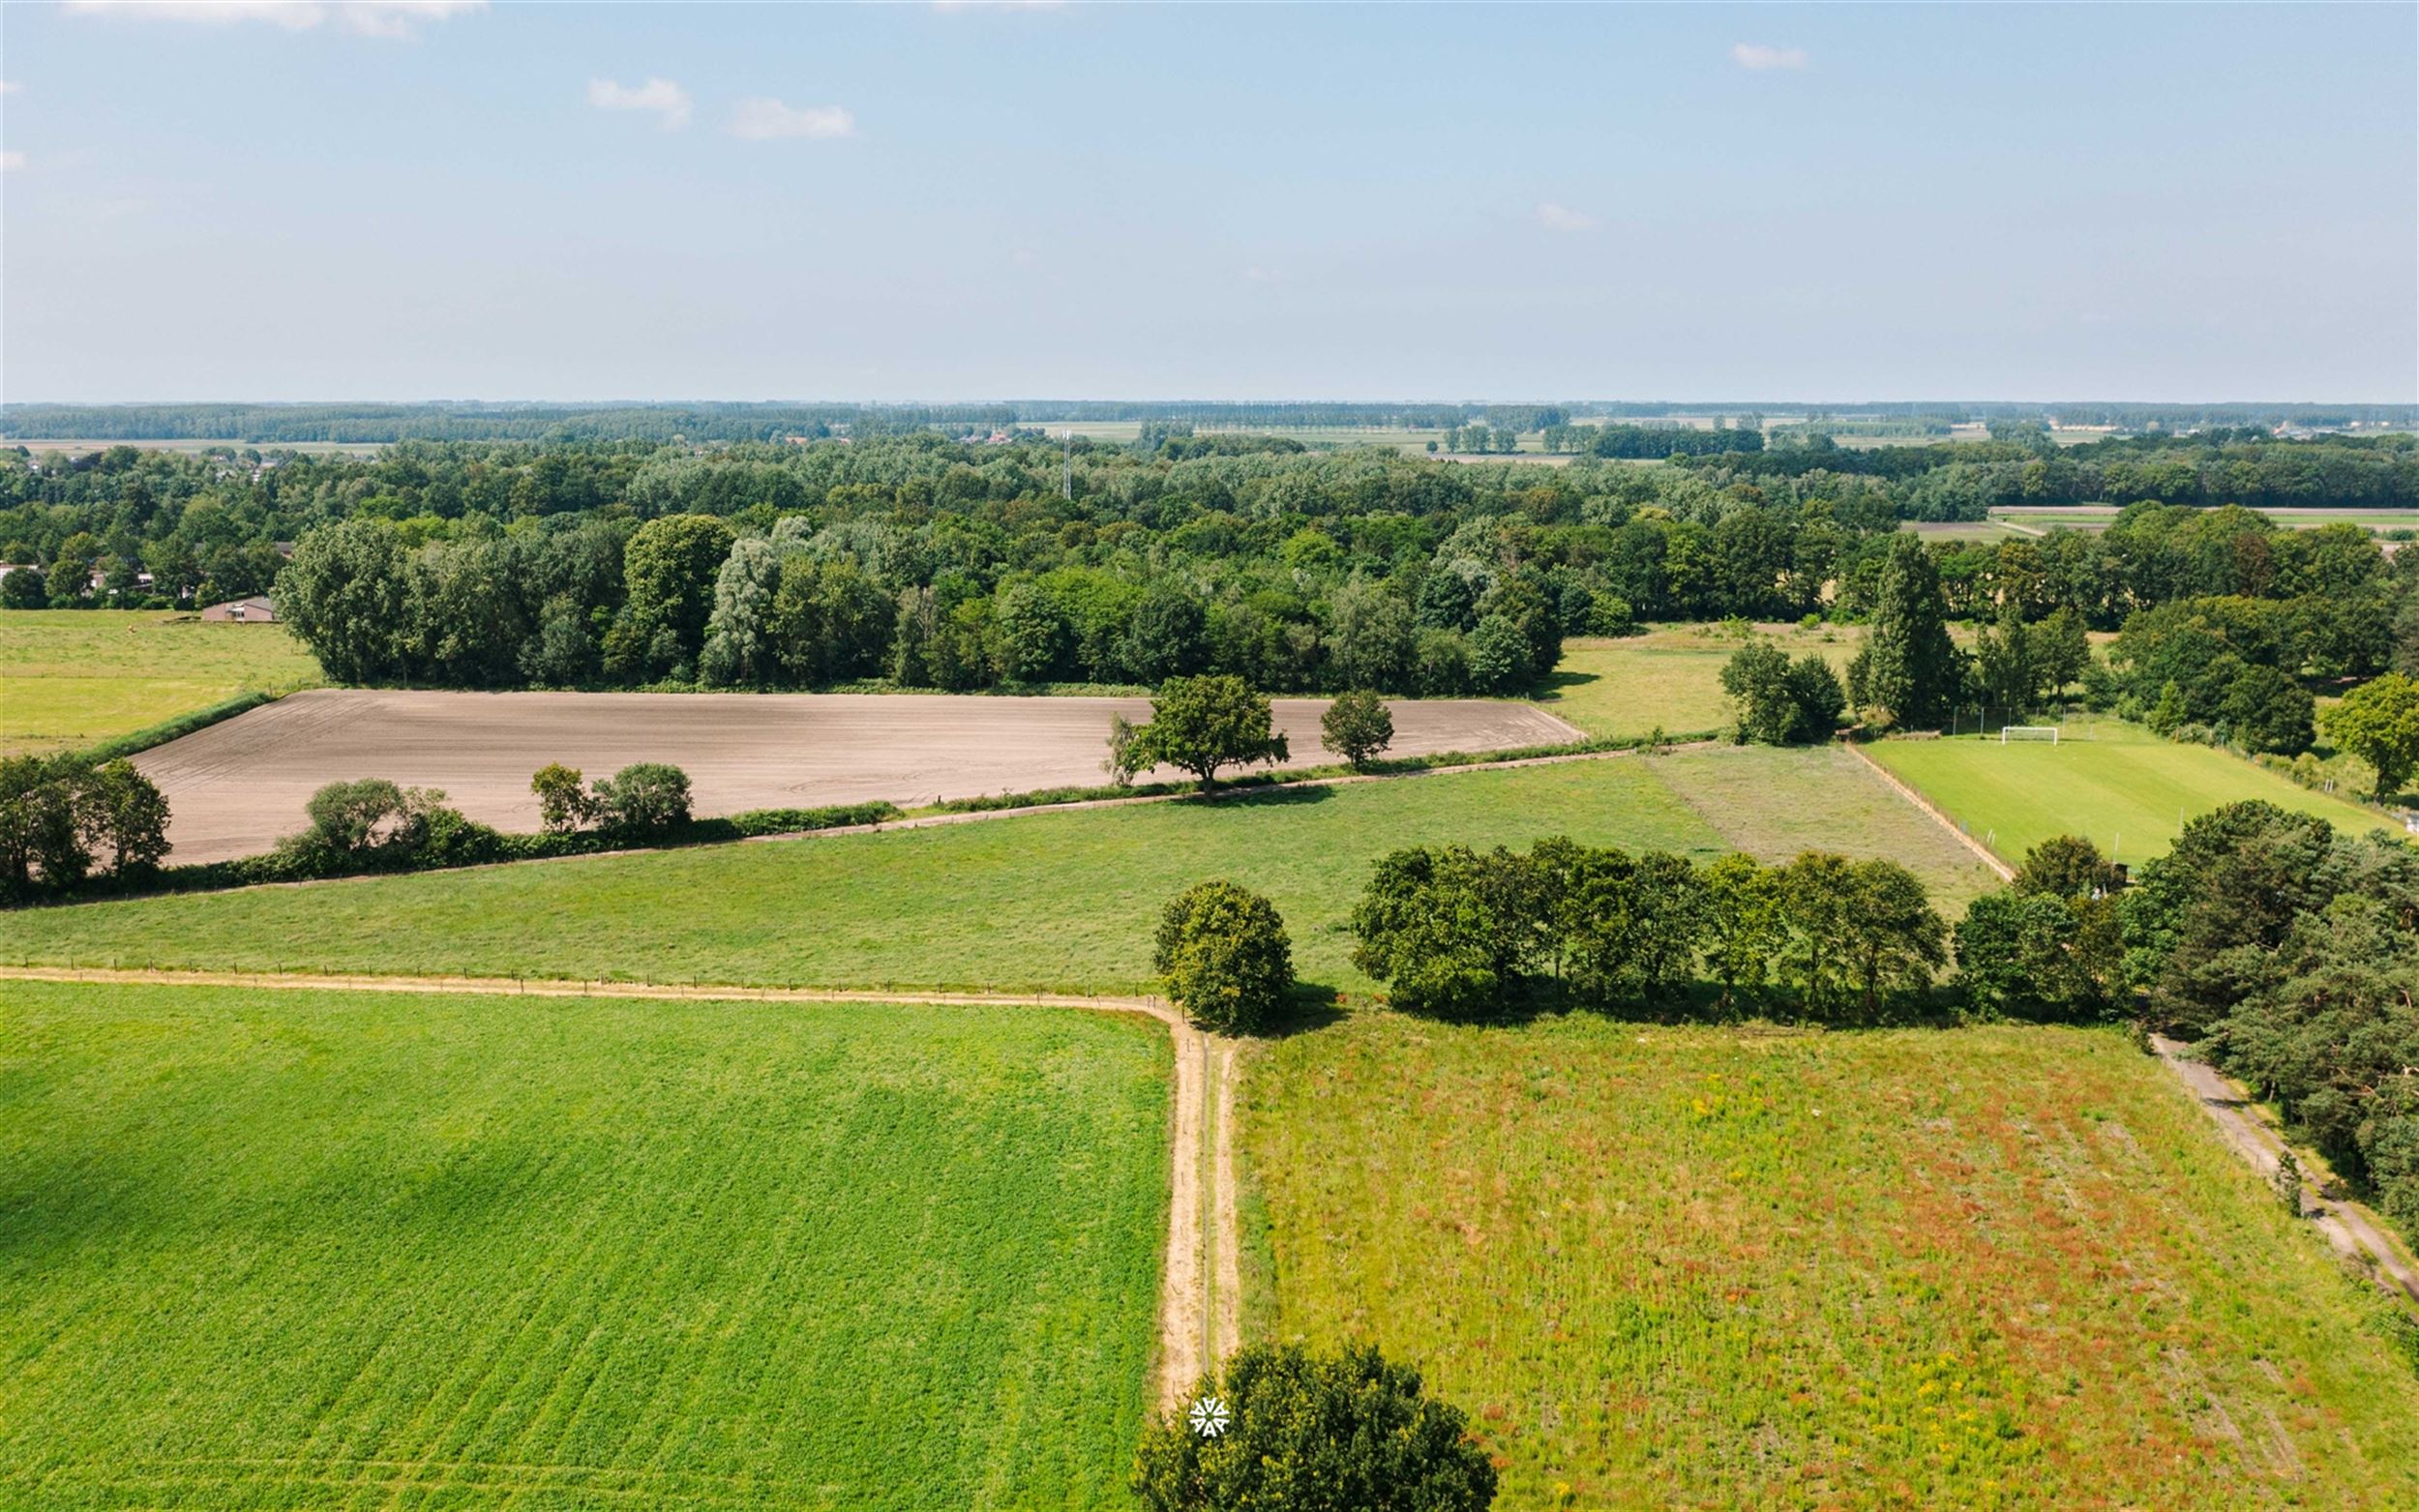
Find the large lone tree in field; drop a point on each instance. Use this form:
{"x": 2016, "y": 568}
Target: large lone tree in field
{"x": 1202, "y": 724}
{"x": 1909, "y": 669}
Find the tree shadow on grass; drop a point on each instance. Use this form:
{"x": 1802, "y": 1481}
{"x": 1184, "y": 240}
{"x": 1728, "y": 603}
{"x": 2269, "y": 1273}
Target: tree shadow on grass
{"x": 1273, "y": 797}
{"x": 1310, "y": 1007}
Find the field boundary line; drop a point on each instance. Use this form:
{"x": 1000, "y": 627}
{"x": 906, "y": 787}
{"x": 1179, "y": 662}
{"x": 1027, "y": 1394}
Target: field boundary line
{"x": 1196, "y": 1324}
{"x": 916, "y": 822}
{"x": 1904, "y": 789}
{"x": 1225, "y": 795}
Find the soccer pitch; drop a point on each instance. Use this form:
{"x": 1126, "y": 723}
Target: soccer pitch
{"x": 2117, "y": 785}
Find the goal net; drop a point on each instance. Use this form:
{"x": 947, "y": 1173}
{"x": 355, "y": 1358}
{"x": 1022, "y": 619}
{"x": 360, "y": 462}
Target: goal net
{"x": 2008, "y": 732}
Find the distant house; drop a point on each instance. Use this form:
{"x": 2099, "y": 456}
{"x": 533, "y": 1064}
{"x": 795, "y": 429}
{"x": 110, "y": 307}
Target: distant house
{"x": 255, "y": 610}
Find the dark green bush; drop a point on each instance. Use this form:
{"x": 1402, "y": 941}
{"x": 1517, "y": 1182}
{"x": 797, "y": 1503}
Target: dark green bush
{"x": 1314, "y": 1433}
{"x": 1223, "y": 958}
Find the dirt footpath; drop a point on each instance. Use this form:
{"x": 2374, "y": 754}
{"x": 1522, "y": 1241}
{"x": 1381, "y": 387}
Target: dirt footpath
{"x": 235, "y": 788}
{"x": 1197, "y": 1326}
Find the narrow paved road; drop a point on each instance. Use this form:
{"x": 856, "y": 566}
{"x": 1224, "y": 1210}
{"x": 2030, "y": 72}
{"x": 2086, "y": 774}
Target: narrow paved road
{"x": 1199, "y": 1277}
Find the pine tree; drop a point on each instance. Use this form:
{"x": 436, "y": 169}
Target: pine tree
{"x": 1913, "y": 671}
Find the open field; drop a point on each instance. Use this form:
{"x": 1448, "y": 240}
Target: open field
{"x": 1670, "y": 676}
{"x": 1775, "y": 804}
{"x": 1958, "y": 529}
{"x": 73, "y": 677}
{"x": 297, "y": 1249}
{"x": 235, "y": 788}
{"x": 1063, "y": 899}
{"x": 2033, "y": 520}
{"x": 2125, "y": 790}
{"x": 1994, "y": 1267}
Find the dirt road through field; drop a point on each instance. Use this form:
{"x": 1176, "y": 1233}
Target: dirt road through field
{"x": 2347, "y": 1227}
{"x": 1197, "y": 1325}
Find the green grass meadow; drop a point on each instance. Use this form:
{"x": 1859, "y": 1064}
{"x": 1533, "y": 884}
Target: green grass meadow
{"x": 1669, "y": 677}
{"x": 2123, "y": 789}
{"x": 1062, "y": 901}
{"x": 70, "y": 678}
{"x": 1994, "y": 1267}
{"x": 353, "y": 1250}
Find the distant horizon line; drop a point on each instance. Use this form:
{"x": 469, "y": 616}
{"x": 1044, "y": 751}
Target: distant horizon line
{"x": 1261, "y": 400}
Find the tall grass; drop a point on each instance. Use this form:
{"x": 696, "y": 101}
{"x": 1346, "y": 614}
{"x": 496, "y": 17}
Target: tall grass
{"x": 1998, "y": 1267}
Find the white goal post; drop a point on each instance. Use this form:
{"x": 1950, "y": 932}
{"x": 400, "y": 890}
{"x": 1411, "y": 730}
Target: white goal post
{"x": 2048, "y": 732}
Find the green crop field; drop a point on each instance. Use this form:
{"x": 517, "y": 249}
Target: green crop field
{"x": 1063, "y": 899}
{"x": 2124, "y": 790}
{"x": 338, "y": 1249}
{"x": 73, "y": 677}
{"x": 1994, "y": 1267}
{"x": 1669, "y": 677}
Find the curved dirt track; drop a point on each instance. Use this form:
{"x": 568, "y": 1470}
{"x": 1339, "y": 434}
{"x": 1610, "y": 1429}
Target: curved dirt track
{"x": 234, "y": 789}
{"x": 1199, "y": 1305}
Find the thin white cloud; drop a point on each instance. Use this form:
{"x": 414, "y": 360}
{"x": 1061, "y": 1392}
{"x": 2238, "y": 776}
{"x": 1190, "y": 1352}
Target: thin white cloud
{"x": 1562, "y": 218}
{"x": 761, "y": 119}
{"x": 1759, "y": 56}
{"x": 669, "y": 101}
{"x": 363, "y": 17}
{"x": 10, "y": 161}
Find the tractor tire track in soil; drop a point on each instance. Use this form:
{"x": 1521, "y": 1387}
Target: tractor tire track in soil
{"x": 1199, "y": 1279}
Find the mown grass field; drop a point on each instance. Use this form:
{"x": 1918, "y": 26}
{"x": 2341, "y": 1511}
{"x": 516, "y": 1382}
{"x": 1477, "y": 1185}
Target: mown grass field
{"x": 1995, "y": 1267}
{"x": 2123, "y": 789}
{"x": 73, "y": 677}
{"x": 339, "y": 1250}
{"x": 1669, "y": 677}
{"x": 1067, "y": 900}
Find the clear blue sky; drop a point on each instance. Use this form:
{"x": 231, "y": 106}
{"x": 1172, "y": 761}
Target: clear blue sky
{"x": 2156, "y": 202}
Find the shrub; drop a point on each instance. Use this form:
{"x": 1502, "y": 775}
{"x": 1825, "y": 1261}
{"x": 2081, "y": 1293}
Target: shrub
{"x": 1307, "y": 1432}
{"x": 645, "y": 797}
{"x": 121, "y": 814}
{"x": 24, "y": 589}
{"x": 563, "y": 803}
{"x": 1223, "y": 958}
{"x": 1357, "y": 726}
{"x": 345, "y": 817}
{"x": 1781, "y": 702}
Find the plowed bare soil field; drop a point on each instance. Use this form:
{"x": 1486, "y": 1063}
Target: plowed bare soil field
{"x": 235, "y": 788}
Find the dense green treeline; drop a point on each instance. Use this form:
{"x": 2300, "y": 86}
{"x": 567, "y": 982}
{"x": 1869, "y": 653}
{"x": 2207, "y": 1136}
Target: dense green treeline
{"x": 2292, "y": 952}
{"x": 943, "y": 564}
{"x": 2020, "y": 466}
